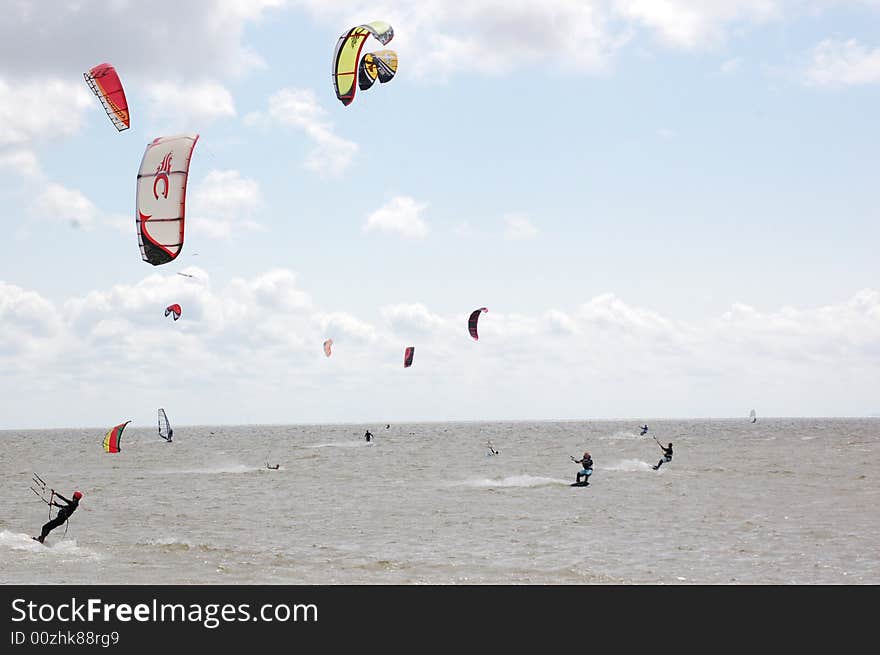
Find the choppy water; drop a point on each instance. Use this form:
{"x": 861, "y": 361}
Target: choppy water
{"x": 782, "y": 501}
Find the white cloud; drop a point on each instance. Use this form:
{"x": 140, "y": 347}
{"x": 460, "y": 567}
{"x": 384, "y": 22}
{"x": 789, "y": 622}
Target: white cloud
{"x": 226, "y": 194}
{"x": 277, "y": 289}
{"x": 413, "y": 318}
{"x": 519, "y": 228}
{"x": 561, "y": 322}
{"x": 222, "y": 203}
{"x": 23, "y": 162}
{"x": 190, "y": 103}
{"x": 41, "y": 110}
{"x": 843, "y": 63}
{"x": 49, "y": 201}
{"x": 437, "y": 39}
{"x": 215, "y": 228}
{"x": 144, "y": 41}
{"x": 401, "y": 215}
{"x": 59, "y": 203}
{"x": 690, "y": 25}
{"x": 731, "y": 65}
{"x": 300, "y": 109}
{"x": 341, "y": 324}
{"x": 260, "y": 338}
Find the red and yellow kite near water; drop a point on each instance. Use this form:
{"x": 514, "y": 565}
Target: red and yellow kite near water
{"x": 113, "y": 437}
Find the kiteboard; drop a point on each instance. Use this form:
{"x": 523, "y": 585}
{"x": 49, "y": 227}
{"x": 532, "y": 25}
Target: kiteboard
{"x": 580, "y": 484}
{"x": 38, "y": 541}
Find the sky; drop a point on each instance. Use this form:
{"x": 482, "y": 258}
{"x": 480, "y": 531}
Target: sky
{"x": 669, "y": 208}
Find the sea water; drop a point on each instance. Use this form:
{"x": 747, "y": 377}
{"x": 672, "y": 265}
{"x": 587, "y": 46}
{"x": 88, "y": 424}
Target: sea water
{"x": 780, "y": 501}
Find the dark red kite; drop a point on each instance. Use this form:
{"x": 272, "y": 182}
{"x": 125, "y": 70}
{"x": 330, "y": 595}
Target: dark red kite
{"x": 472, "y": 322}
{"x": 173, "y": 309}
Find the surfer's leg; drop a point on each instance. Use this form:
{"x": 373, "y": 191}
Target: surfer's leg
{"x": 48, "y": 527}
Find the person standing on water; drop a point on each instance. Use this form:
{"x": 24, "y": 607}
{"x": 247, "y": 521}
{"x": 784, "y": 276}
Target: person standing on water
{"x": 587, "y": 462}
{"x": 64, "y": 513}
{"x": 368, "y": 435}
{"x": 667, "y": 454}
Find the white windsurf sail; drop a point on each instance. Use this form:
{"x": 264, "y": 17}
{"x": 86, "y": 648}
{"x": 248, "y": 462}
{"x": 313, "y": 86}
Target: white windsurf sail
{"x": 165, "y": 430}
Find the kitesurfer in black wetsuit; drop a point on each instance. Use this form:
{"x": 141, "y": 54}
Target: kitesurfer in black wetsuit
{"x": 667, "y": 455}
{"x": 368, "y": 436}
{"x": 492, "y": 450}
{"x": 587, "y": 471}
{"x": 64, "y": 512}
{"x": 644, "y": 430}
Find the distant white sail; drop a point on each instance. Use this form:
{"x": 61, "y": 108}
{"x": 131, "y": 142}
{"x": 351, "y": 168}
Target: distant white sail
{"x": 752, "y": 416}
{"x": 165, "y": 430}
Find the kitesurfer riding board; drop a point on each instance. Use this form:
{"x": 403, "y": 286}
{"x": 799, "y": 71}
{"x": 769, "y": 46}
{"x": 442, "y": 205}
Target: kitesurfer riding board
{"x": 587, "y": 462}
{"x": 64, "y": 512}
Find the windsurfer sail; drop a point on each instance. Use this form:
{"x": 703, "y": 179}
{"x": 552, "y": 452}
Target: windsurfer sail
{"x": 752, "y": 416}
{"x": 165, "y": 430}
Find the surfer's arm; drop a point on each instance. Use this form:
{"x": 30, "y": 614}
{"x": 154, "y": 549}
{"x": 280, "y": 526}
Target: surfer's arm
{"x": 61, "y": 497}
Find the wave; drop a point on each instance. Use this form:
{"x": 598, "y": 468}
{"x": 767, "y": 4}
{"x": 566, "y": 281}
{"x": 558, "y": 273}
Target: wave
{"x": 629, "y": 465}
{"x": 624, "y": 434}
{"x": 63, "y": 549}
{"x": 213, "y": 470}
{"x": 523, "y": 481}
{"x": 172, "y": 544}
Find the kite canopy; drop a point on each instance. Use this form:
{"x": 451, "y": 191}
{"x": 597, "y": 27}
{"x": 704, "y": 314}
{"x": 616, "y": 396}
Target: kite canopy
{"x": 105, "y": 84}
{"x": 113, "y": 437}
{"x": 173, "y": 309}
{"x": 472, "y": 322}
{"x": 161, "y": 197}
{"x": 408, "y": 356}
{"x": 346, "y": 58}
{"x": 327, "y": 344}
{"x": 381, "y": 65}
